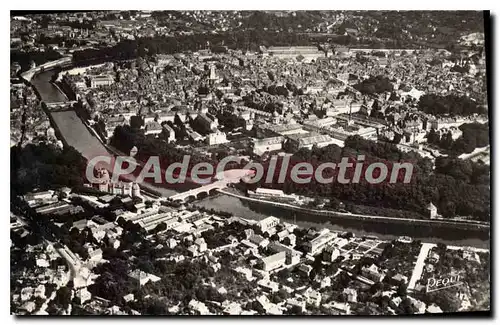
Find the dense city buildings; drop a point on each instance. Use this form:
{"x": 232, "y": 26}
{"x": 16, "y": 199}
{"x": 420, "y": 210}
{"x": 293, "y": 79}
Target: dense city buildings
{"x": 277, "y": 89}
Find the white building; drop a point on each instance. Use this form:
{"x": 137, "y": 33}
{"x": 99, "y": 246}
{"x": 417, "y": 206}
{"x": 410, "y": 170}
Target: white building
{"x": 101, "y": 80}
{"x": 268, "y": 144}
{"x": 312, "y": 297}
{"x": 269, "y": 286}
{"x": 171, "y": 133}
{"x": 153, "y": 127}
{"x": 202, "y": 245}
{"x": 352, "y": 294}
{"x": 372, "y": 273}
{"x": 83, "y": 294}
{"x": 274, "y": 261}
{"x": 316, "y": 245}
{"x": 271, "y": 194}
{"x": 217, "y": 137}
{"x": 268, "y": 223}
{"x": 198, "y": 307}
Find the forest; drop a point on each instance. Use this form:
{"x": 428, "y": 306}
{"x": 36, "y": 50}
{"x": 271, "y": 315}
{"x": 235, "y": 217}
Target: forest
{"x": 25, "y": 58}
{"x": 44, "y": 167}
{"x": 374, "y": 85}
{"x": 474, "y": 135}
{"x": 452, "y": 105}
{"x": 446, "y": 186}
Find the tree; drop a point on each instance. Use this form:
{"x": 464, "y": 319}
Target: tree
{"x": 433, "y": 137}
{"x": 406, "y": 306}
{"x": 374, "y": 85}
{"x": 449, "y": 104}
{"x": 402, "y": 290}
{"x": 74, "y": 233}
{"x": 447, "y": 141}
{"x": 121, "y": 222}
{"x": 376, "y": 287}
{"x": 441, "y": 248}
{"x": 397, "y": 138}
{"x": 447, "y": 300}
{"x": 44, "y": 166}
{"x": 49, "y": 288}
{"x": 63, "y": 297}
{"x": 160, "y": 227}
{"x": 296, "y": 310}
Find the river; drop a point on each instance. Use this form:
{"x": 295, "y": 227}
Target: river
{"x": 386, "y": 231}
{"x": 48, "y": 91}
{"x": 74, "y": 131}
{"x": 77, "y": 135}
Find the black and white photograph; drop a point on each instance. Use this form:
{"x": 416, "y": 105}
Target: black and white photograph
{"x": 250, "y": 162}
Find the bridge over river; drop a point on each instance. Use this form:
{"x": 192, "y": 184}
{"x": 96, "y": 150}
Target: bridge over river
{"x": 199, "y": 192}
{"x": 222, "y": 180}
{"x": 72, "y": 129}
{"x": 77, "y": 134}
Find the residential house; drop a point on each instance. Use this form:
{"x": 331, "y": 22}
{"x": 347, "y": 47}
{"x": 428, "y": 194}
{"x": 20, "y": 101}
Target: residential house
{"x": 297, "y": 301}
{"x": 267, "y": 285}
{"x": 342, "y": 307}
{"x": 312, "y": 297}
{"x": 305, "y": 269}
{"x": 259, "y": 240}
{"x": 233, "y": 308}
{"x": 153, "y": 127}
{"x": 292, "y": 256}
{"x": 330, "y": 253}
{"x": 399, "y": 279}
{"x": 143, "y": 277}
{"x": 266, "y": 307}
{"x": 198, "y": 307}
{"x": 83, "y": 294}
{"x": 201, "y": 244}
{"x": 351, "y": 294}
{"x": 40, "y": 291}
{"x": 128, "y": 298}
{"x": 171, "y": 243}
{"x": 325, "y": 282}
{"x": 274, "y": 261}
{"x": 193, "y": 250}
{"x": 372, "y": 273}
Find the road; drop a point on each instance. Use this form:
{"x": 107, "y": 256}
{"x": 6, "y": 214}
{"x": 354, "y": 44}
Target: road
{"x": 419, "y": 265}
{"x": 336, "y": 213}
{"x": 474, "y": 249}
{"x": 424, "y": 252}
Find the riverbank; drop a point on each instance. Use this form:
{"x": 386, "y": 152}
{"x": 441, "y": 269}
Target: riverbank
{"x": 337, "y": 214}
{"x": 48, "y": 91}
{"x": 81, "y": 137}
{"x": 385, "y": 230}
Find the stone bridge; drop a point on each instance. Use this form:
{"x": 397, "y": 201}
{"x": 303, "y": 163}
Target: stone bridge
{"x": 60, "y": 106}
{"x": 222, "y": 181}
{"x": 199, "y": 192}
{"x": 62, "y": 62}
